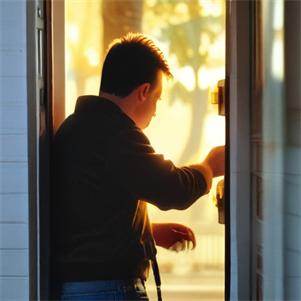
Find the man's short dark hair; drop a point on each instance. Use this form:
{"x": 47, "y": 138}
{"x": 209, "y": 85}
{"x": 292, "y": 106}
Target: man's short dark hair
{"x": 131, "y": 61}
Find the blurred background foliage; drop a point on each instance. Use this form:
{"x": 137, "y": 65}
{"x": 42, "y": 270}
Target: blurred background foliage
{"x": 192, "y": 28}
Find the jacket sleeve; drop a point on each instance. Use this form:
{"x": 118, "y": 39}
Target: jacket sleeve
{"x": 148, "y": 176}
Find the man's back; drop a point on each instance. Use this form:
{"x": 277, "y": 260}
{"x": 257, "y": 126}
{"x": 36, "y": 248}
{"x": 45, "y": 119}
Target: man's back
{"x": 91, "y": 211}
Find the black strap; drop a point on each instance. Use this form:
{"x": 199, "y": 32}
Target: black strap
{"x": 157, "y": 277}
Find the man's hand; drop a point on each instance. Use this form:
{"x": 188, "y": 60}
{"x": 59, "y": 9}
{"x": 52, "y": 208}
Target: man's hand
{"x": 173, "y": 236}
{"x": 213, "y": 165}
{"x": 216, "y": 160}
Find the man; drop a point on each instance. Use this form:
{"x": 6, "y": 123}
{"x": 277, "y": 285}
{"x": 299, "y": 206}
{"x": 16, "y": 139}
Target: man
{"x": 104, "y": 173}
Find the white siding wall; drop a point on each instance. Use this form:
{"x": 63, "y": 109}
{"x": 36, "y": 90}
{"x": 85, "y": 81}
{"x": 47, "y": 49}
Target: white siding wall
{"x": 14, "y": 262}
{"x": 292, "y": 224}
{"x": 292, "y": 168}
{"x": 277, "y": 233}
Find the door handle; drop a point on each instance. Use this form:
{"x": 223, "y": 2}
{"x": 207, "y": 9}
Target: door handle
{"x": 219, "y": 200}
{"x": 218, "y": 97}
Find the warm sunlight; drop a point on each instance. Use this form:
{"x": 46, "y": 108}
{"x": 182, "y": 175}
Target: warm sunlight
{"x": 191, "y": 34}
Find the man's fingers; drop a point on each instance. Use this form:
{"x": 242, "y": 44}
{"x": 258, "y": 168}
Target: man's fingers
{"x": 182, "y": 246}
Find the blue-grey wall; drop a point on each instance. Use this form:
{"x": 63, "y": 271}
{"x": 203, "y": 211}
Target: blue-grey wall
{"x": 14, "y": 267}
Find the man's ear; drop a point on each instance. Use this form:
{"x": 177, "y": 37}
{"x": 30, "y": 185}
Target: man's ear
{"x": 142, "y": 91}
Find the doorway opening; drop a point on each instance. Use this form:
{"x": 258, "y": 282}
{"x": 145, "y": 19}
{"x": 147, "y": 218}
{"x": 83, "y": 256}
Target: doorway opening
{"x": 192, "y": 36}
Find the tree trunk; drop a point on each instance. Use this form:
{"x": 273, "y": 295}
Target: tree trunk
{"x": 120, "y": 17}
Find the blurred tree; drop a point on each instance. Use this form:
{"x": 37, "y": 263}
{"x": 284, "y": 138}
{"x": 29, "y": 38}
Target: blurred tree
{"x": 182, "y": 23}
{"x": 83, "y": 41}
{"x": 120, "y": 17}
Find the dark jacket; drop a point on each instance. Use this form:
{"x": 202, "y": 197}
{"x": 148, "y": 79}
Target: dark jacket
{"x": 102, "y": 165}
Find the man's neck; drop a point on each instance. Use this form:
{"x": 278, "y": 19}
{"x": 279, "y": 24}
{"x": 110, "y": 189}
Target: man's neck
{"x": 124, "y": 104}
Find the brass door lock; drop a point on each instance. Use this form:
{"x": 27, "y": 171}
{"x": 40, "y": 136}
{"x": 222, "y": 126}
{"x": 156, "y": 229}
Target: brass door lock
{"x": 219, "y": 201}
{"x": 218, "y": 97}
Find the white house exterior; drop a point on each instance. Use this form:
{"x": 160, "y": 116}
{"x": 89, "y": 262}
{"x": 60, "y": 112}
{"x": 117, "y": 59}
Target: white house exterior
{"x": 14, "y": 215}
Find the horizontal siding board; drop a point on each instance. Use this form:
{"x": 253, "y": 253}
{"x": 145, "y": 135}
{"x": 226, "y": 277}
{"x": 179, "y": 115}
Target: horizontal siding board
{"x": 13, "y": 91}
{"x": 12, "y": 12}
{"x": 293, "y": 161}
{"x": 14, "y": 288}
{"x": 12, "y": 63}
{"x": 11, "y": 37}
{"x": 13, "y": 236}
{"x": 292, "y": 288}
{"x": 292, "y": 233}
{"x": 13, "y": 148}
{"x": 292, "y": 263}
{"x": 292, "y": 195}
{"x": 13, "y": 119}
{"x": 14, "y": 263}
{"x": 13, "y": 208}
{"x": 13, "y": 178}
